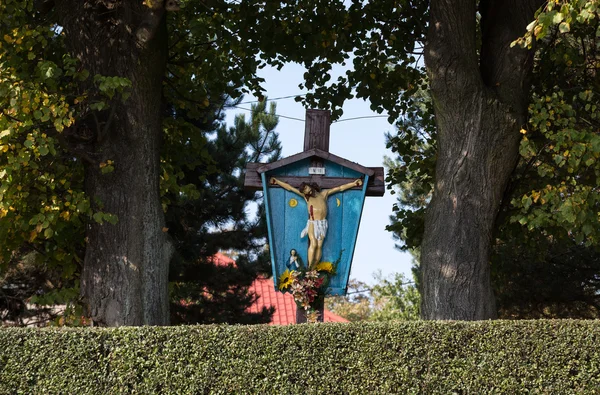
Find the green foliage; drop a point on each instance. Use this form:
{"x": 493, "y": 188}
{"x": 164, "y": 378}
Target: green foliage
{"x": 559, "y": 16}
{"x": 42, "y": 206}
{"x": 392, "y": 298}
{"x": 383, "y": 40}
{"x": 355, "y": 305}
{"x": 39, "y": 182}
{"x": 558, "y": 185}
{"x": 411, "y": 172}
{"x": 554, "y": 191}
{"x": 557, "y": 357}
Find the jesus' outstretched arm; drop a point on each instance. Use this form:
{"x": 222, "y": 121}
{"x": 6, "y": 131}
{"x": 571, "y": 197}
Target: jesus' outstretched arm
{"x": 344, "y": 187}
{"x": 284, "y": 185}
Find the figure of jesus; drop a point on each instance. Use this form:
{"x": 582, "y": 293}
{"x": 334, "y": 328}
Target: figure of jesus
{"x": 316, "y": 202}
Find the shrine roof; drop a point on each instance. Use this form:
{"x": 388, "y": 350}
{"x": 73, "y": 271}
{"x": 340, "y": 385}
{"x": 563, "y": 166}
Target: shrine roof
{"x": 320, "y": 154}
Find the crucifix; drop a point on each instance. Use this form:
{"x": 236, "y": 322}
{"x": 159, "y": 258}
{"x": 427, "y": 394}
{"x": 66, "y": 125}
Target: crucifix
{"x": 320, "y": 195}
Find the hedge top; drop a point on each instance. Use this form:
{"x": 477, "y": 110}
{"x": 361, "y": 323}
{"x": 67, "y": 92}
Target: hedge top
{"x": 555, "y": 357}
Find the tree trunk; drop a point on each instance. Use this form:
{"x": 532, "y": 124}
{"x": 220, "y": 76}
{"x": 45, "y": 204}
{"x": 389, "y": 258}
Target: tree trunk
{"x": 125, "y": 272}
{"x": 480, "y": 106}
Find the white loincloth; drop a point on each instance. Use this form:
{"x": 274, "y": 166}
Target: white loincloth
{"x": 320, "y": 227}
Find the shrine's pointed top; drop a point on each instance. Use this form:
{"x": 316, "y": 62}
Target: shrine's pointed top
{"x": 315, "y": 152}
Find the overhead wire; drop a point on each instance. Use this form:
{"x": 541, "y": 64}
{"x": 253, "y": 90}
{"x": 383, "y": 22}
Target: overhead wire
{"x": 299, "y": 119}
{"x": 274, "y": 99}
{"x": 277, "y": 115}
{"x": 370, "y": 289}
{"x": 363, "y": 117}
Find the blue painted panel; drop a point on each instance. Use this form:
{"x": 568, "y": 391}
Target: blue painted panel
{"x": 287, "y": 214}
{"x": 350, "y": 230}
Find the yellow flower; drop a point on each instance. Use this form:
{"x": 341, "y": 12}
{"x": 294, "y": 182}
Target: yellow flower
{"x": 285, "y": 280}
{"x": 324, "y": 267}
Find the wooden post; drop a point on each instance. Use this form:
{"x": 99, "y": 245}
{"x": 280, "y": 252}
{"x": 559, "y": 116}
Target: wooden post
{"x": 316, "y": 135}
{"x": 316, "y": 131}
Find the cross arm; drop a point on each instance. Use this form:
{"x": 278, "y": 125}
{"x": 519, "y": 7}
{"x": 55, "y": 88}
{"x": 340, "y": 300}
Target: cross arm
{"x": 375, "y": 186}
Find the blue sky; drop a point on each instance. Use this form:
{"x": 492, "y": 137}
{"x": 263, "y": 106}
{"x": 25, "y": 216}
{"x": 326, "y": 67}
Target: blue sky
{"x": 360, "y": 140}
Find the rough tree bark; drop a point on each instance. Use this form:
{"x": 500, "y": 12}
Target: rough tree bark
{"x": 125, "y": 272}
{"x": 480, "y": 104}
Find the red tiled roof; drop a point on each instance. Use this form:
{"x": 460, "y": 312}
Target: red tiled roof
{"x": 285, "y": 307}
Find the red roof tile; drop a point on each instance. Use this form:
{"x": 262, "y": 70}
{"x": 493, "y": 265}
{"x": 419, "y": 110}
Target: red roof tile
{"x": 285, "y": 307}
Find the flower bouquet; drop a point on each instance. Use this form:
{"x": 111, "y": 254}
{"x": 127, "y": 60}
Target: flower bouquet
{"x": 307, "y": 286}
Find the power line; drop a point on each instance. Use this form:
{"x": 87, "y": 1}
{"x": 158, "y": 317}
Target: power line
{"x": 370, "y": 289}
{"x": 274, "y": 99}
{"x": 302, "y": 120}
{"x": 363, "y": 117}
{"x": 277, "y": 115}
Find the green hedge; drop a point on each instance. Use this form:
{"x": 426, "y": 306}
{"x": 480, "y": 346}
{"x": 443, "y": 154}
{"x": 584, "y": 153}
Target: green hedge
{"x": 549, "y": 357}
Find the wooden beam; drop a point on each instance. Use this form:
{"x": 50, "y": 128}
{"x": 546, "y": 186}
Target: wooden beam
{"x": 316, "y": 130}
{"x": 375, "y": 187}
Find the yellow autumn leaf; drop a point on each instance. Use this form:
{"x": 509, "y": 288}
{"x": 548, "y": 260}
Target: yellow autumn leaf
{"x": 32, "y": 235}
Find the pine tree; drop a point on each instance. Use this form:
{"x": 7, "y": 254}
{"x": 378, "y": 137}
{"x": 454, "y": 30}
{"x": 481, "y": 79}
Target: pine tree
{"x": 216, "y": 218}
